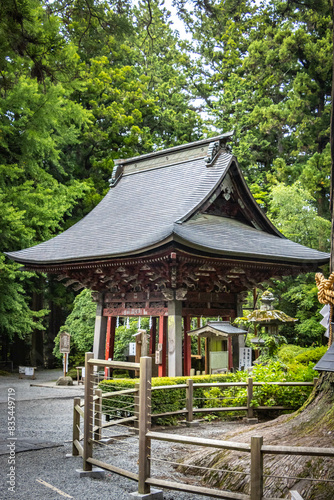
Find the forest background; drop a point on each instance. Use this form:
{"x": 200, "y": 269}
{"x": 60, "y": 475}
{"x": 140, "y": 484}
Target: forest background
{"x": 84, "y": 82}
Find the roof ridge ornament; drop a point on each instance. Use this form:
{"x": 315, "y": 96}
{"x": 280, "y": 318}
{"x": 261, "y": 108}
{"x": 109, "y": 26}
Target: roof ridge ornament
{"x": 213, "y": 150}
{"x": 116, "y": 174}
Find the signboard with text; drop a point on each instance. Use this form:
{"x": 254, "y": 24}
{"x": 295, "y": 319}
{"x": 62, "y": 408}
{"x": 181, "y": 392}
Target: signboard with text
{"x": 64, "y": 342}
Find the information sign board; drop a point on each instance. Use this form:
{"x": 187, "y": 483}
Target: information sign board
{"x": 64, "y": 342}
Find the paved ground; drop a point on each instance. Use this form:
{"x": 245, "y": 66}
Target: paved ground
{"x": 38, "y": 446}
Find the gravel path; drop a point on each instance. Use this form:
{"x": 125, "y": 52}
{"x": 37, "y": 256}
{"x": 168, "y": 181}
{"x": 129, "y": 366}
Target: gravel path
{"x": 44, "y": 417}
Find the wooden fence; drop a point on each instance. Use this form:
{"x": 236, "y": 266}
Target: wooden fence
{"x": 190, "y": 408}
{"x": 93, "y": 429}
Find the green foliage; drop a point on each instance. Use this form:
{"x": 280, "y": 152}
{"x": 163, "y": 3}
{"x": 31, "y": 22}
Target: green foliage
{"x": 124, "y": 335}
{"x": 16, "y": 318}
{"x": 293, "y": 211}
{"x": 80, "y": 325}
{"x": 298, "y": 297}
{"x": 311, "y": 355}
{"x": 271, "y": 347}
{"x": 265, "y": 395}
{"x": 288, "y": 352}
{"x": 268, "y": 77}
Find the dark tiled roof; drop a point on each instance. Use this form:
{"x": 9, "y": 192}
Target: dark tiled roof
{"x": 226, "y": 327}
{"x": 155, "y": 201}
{"x": 326, "y": 363}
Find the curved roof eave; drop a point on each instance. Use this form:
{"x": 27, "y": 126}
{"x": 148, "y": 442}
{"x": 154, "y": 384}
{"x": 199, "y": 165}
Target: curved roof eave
{"x": 318, "y": 258}
{"x": 131, "y": 253}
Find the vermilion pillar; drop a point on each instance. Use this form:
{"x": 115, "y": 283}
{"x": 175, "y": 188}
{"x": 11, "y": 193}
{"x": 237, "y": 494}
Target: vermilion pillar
{"x": 163, "y": 323}
{"x": 110, "y": 340}
{"x": 186, "y": 346}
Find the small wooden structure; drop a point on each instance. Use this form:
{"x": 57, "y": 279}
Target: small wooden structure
{"x": 222, "y": 344}
{"x": 178, "y": 236}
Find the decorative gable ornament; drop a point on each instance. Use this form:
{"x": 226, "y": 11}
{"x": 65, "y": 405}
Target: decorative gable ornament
{"x": 213, "y": 150}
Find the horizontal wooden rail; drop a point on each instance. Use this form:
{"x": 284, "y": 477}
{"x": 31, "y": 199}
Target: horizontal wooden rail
{"x": 221, "y": 384}
{"x": 211, "y": 443}
{"x": 297, "y": 450}
{"x": 285, "y": 384}
{"x": 212, "y": 493}
{"x": 119, "y": 393}
{"x": 223, "y": 408}
{"x": 122, "y": 365}
{"x": 117, "y": 422}
{"x": 272, "y": 408}
{"x": 113, "y": 468}
{"x": 177, "y": 412}
{"x": 175, "y": 386}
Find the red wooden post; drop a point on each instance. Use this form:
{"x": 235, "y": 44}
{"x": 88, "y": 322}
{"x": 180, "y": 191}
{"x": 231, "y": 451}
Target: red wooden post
{"x": 153, "y": 335}
{"x": 110, "y": 340}
{"x": 163, "y": 323}
{"x": 230, "y": 353}
{"x": 187, "y": 347}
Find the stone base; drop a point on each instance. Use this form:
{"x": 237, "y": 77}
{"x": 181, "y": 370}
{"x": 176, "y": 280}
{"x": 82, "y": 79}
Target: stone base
{"x": 64, "y": 381}
{"x": 95, "y": 473}
{"x": 194, "y": 423}
{"x": 154, "y": 495}
{"x": 106, "y": 440}
{"x": 252, "y": 420}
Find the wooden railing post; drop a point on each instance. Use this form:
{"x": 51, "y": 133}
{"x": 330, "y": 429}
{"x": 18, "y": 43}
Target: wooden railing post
{"x": 136, "y": 408}
{"x": 89, "y": 408}
{"x": 144, "y": 424}
{"x": 250, "y": 412}
{"x": 189, "y": 400}
{"x": 315, "y": 381}
{"x": 76, "y": 426}
{"x": 98, "y": 415}
{"x": 256, "y": 486}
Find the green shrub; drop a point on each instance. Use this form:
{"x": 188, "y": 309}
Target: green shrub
{"x": 311, "y": 355}
{"x": 265, "y": 395}
{"x": 288, "y": 352}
